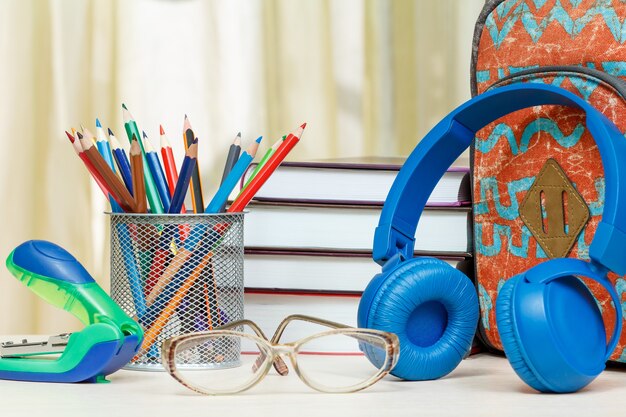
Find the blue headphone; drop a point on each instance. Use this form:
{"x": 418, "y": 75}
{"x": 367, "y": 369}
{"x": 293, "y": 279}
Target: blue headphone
{"x": 551, "y": 328}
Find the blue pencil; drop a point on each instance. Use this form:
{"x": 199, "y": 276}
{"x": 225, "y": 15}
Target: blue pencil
{"x": 221, "y": 196}
{"x": 122, "y": 161}
{"x": 186, "y": 170}
{"x": 103, "y": 146}
{"x": 157, "y": 173}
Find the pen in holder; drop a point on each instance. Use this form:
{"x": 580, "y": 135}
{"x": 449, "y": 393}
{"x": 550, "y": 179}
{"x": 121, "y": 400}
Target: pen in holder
{"x": 178, "y": 274}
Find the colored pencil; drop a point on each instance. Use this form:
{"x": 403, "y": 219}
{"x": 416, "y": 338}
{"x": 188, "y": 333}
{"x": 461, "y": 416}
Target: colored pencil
{"x": 121, "y": 159}
{"x": 151, "y": 191}
{"x": 103, "y": 146}
{"x": 263, "y": 160}
{"x": 233, "y": 155}
{"x": 196, "y": 182}
{"x": 113, "y": 184}
{"x": 186, "y": 171}
{"x": 221, "y": 196}
{"x": 167, "y": 235}
{"x": 198, "y": 231}
{"x": 157, "y": 173}
{"x": 129, "y": 261}
{"x": 105, "y": 151}
{"x": 264, "y": 173}
{"x": 139, "y": 185}
{"x": 79, "y": 151}
{"x": 169, "y": 164}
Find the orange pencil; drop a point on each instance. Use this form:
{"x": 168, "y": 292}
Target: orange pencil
{"x": 136, "y": 169}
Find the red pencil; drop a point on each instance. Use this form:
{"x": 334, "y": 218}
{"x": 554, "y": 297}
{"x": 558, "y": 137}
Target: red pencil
{"x": 79, "y": 151}
{"x": 257, "y": 182}
{"x": 169, "y": 164}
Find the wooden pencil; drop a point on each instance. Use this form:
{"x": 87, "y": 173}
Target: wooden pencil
{"x": 114, "y": 185}
{"x": 122, "y": 161}
{"x": 151, "y": 191}
{"x": 274, "y": 161}
{"x": 79, "y": 151}
{"x": 137, "y": 172}
{"x": 186, "y": 171}
{"x": 157, "y": 173}
{"x": 195, "y": 185}
{"x": 221, "y": 196}
{"x": 169, "y": 164}
{"x": 231, "y": 159}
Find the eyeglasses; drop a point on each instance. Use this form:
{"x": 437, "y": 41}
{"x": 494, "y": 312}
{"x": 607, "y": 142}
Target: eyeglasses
{"x": 234, "y": 361}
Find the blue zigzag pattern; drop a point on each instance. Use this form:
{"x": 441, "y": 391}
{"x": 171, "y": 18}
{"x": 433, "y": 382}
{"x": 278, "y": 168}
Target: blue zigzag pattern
{"x": 500, "y": 230}
{"x": 502, "y": 130}
{"x": 535, "y": 29}
{"x": 584, "y": 85}
{"x": 510, "y": 212}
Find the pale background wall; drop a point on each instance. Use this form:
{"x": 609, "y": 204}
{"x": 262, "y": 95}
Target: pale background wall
{"x": 369, "y": 76}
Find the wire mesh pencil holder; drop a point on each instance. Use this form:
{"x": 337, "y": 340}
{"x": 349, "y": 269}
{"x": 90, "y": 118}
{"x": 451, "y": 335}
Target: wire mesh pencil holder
{"x": 178, "y": 274}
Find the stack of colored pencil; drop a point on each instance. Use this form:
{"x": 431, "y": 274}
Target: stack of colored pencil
{"x": 140, "y": 182}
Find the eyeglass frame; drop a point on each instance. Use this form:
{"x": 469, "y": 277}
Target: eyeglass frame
{"x": 392, "y": 352}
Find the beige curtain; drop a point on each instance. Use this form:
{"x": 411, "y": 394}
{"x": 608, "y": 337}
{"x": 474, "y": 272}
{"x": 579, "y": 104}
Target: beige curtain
{"x": 369, "y": 76}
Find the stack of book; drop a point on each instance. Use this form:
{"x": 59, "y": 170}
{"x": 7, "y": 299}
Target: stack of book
{"x": 309, "y": 233}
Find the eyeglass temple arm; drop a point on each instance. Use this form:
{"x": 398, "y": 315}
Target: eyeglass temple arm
{"x": 278, "y": 363}
{"x": 300, "y": 317}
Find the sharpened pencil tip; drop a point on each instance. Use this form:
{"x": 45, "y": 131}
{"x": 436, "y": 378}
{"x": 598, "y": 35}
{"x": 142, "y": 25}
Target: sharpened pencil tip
{"x": 124, "y": 106}
{"x": 98, "y": 123}
{"x": 161, "y": 130}
{"x": 144, "y": 134}
{"x": 111, "y": 132}
{"x": 80, "y": 135}
{"x": 239, "y": 134}
{"x": 82, "y": 127}
{"x": 303, "y": 125}
{"x": 259, "y": 139}
{"x": 185, "y": 116}
{"x": 70, "y": 137}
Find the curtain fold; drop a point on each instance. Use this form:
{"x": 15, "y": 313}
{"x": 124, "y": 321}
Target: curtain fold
{"x": 369, "y": 76}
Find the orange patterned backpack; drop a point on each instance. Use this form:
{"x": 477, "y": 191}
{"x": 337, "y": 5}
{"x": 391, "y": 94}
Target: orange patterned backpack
{"x": 579, "y": 45}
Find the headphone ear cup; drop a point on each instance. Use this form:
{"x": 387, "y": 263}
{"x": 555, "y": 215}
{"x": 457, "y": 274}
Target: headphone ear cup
{"x": 510, "y": 337}
{"x": 553, "y": 333}
{"x": 432, "y": 308}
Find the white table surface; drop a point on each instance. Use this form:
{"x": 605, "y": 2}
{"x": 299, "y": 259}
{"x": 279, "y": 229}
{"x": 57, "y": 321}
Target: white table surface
{"x": 482, "y": 385}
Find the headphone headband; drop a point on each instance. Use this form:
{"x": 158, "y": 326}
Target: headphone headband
{"x": 452, "y": 135}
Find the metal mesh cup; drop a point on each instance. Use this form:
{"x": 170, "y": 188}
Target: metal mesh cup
{"x": 178, "y": 274}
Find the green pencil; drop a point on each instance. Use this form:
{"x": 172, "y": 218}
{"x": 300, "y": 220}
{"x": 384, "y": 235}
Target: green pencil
{"x": 262, "y": 161}
{"x": 151, "y": 191}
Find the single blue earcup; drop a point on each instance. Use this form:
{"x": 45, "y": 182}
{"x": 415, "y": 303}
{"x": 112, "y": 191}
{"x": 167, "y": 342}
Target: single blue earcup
{"x": 552, "y": 333}
{"x": 510, "y": 339}
{"x": 432, "y": 307}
